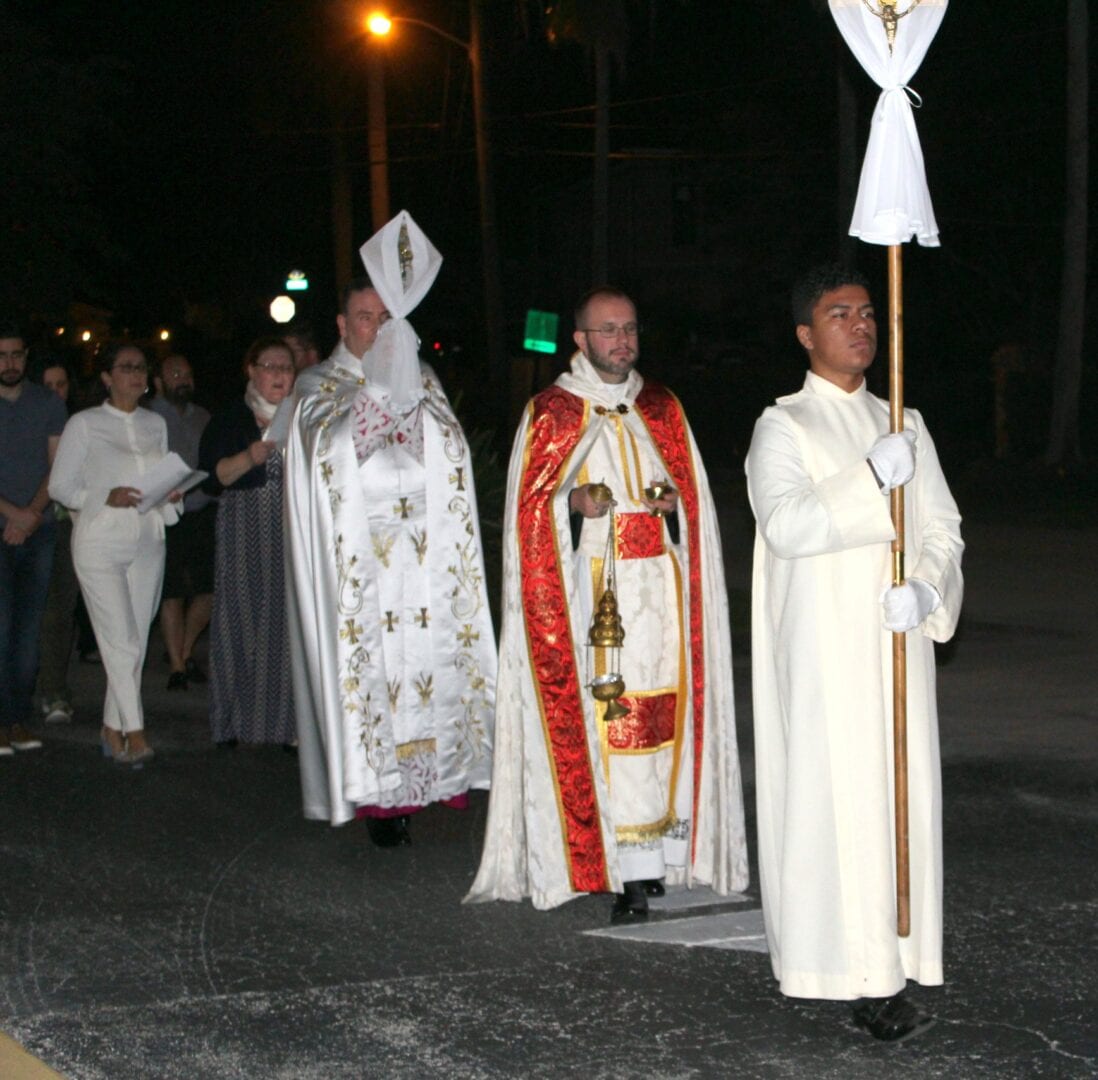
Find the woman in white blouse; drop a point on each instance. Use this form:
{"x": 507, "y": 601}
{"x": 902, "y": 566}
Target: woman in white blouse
{"x": 117, "y": 551}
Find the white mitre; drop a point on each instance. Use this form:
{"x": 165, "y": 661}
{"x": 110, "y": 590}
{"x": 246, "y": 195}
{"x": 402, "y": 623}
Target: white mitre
{"x": 402, "y": 264}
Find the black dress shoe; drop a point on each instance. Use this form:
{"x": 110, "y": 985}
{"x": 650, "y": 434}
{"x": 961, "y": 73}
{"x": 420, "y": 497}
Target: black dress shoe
{"x": 388, "y": 831}
{"x": 177, "y": 680}
{"x": 890, "y": 1019}
{"x": 194, "y": 673}
{"x": 653, "y": 887}
{"x": 631, "y": 905}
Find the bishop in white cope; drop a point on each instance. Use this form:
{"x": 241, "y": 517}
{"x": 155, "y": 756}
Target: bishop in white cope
{"x": 818, "y": 471}
{"x": 391, "y": 638}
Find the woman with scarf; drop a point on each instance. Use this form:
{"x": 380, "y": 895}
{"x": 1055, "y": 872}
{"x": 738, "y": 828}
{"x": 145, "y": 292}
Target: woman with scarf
{"x": 251, "y": 696}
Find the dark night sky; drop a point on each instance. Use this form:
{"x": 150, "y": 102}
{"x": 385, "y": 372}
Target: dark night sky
{"x": 201, "y": 148}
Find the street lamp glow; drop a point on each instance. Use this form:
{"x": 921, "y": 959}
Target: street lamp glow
{"x": 282, "y": 309}
{"x": 378, "y": 23}
{"x": 165, "y": 335}
{"x": 86, "y": 336}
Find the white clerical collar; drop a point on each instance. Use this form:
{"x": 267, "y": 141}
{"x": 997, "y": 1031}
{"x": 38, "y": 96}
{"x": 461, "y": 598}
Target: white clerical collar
{"x": 817, "y": 384}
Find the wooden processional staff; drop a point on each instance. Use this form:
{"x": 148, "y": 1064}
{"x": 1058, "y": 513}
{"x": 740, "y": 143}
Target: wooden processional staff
{"x": 893, "y": 205}
{"x": 899, "y": 640}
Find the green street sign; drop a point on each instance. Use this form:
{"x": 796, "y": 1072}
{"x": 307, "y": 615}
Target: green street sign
{"x": 541, "y": 331}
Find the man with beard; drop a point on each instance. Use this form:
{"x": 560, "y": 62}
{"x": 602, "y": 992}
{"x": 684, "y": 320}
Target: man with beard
{"x": 31, "y": 421}
{"x": 584, "y": 800}
{"x": 187, "y": 599}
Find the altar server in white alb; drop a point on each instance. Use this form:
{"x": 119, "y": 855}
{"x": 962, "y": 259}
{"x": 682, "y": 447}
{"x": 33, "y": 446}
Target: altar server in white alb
{"x": 819, "y": 470}
{"x": 582, "y": 800}
{"x": 391, "y": 637}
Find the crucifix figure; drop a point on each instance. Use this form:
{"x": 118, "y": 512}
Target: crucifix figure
{"x": 888, "y": 15}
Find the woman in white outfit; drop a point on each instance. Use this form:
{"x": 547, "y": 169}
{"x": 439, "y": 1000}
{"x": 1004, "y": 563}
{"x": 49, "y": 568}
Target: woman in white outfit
{"x": 118, "y": 552}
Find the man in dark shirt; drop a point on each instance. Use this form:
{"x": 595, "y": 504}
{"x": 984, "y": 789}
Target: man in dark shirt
{"x": 31, "y": 420}
{"x": 187, "y": 598}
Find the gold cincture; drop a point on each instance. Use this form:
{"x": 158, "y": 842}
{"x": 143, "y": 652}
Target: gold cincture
{"x": 890, "y": 17}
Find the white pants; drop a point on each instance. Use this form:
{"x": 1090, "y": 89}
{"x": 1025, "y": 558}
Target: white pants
{"x": 119, "y": 560}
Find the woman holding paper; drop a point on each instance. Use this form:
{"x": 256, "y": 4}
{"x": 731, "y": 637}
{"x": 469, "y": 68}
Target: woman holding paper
{"x": 117, "y": 549}
{"x": 251, "y": 696}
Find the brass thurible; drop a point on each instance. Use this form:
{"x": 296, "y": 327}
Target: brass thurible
{"x": 607, "y": 631}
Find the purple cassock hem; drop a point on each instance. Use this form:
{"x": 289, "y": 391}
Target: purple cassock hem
{"x": 458, "y": 802}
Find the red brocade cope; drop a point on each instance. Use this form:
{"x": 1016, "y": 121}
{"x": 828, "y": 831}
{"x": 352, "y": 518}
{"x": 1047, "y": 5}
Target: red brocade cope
{"x": 639, "y": 536}
{"x": 664, "y": 417}
{"x": 650, "y": 723}
{"x": 556, "y": 427}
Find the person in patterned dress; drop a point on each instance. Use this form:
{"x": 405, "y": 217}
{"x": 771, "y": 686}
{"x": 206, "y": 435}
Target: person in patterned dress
{"x": 251, "y": 695}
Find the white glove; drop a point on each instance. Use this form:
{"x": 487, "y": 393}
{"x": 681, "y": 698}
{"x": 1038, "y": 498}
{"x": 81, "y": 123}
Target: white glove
{"x": 907, "y": 605}
{"x": 892, "y": 459}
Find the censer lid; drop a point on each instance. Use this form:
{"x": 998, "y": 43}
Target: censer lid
{"x": 607, "y": 631}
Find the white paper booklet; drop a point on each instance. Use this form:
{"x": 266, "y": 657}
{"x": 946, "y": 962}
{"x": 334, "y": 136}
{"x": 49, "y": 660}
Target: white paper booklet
{"x": 170, "y": 473}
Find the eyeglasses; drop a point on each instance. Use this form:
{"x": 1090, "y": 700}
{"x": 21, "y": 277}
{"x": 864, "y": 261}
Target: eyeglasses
{"x": 131, "y": 369}
{"x": 15, "y": 354}
{"x": 609, "y": 331}
{"x": 278, "y": 369}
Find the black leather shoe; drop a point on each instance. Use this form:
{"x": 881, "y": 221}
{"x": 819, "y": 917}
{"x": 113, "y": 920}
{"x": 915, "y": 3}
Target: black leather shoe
{"x": 388, "y": 831}
{"x": 194, "y": 673}
{"x": 653, "y": 887}
{"x": 177, "y": 680}
{"x": 890, "y": 1019}
{"x": 631, "y": 905}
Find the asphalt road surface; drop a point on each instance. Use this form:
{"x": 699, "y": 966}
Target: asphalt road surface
{"x": 183, "y": 920}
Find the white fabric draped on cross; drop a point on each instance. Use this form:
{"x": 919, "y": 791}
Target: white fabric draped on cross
{"x": 394, "y": 358}
{"x": 893, "y": 201}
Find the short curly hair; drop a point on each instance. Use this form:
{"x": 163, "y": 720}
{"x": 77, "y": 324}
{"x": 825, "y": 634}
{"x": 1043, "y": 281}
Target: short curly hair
{"x": 820, "y": 279}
